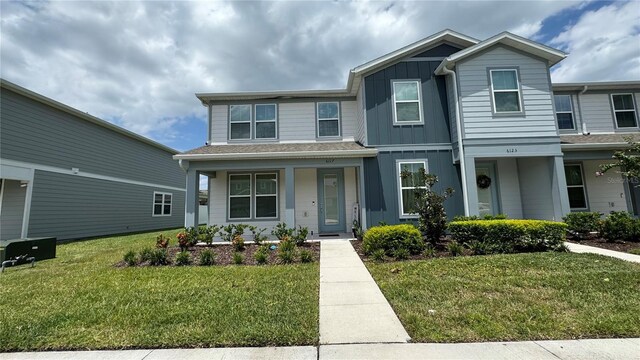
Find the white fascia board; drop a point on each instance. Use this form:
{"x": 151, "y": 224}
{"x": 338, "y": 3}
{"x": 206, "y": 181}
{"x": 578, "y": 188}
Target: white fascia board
{"x": 597, "y": 85}
{"x": 280, "y": 155}
{"x": 594, "y": 146}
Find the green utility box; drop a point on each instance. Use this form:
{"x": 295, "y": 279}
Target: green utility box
{"x": 40, "y": 248}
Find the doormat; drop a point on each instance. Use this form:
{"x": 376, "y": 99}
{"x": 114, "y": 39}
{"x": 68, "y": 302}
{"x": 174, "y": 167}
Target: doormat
{"x": 322, "y": 235}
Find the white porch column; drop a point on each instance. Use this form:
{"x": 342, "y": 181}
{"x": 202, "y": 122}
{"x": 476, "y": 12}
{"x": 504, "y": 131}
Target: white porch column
{"x": 471, "y": 190}
{"x": 191, "y": 201}
{"x": 290, "y": 197}
{"x": 362, "y": 199}
{"x": 559, "y": 191}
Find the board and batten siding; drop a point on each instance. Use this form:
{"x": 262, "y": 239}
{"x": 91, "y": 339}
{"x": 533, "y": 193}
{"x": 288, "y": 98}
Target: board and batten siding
{"x": 12, "y": 211}
{"x": 35, "y": 133}
{"x": 69, "y": 207}
{"x": 360, "y": 116}
{"x": 474, "y": 86}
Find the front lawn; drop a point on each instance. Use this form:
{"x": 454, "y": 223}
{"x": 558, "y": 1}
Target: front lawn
{"x": 81, "y": 301}
{"x": 513, "y": 297}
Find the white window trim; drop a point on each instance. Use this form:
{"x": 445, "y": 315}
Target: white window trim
{"x": 583, "y": 186}
{"x": 404, "y": 215}
{"x": 275, "y": 121}
{"x": 242, "y": 122}
{"x": 394, "y": 101}
{"x": 163, "y": 203}
{"x": 635, "y": 114}
{"x": 573, "y": 117}
{"x": 328, "y": 119}
{"x": 517, "y": 89}
{"x": 256, "y": 196}
{"x": 229, "y": 196}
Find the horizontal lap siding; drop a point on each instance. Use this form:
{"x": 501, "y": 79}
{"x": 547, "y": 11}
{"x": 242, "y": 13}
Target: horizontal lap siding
{"x": 37, "y": 133}
{"x": 604, "y": 193}
{"x": 297, "y": 121}
{"x": 67, "y": 207}
{"x": 597, "y": 112}
{"x": 219, "y": 131}
{"x": 349, "y": 119}
{"x": 479, "y": 122}
{"x": 534, "y": 175}
{"x": 381, "y": 183}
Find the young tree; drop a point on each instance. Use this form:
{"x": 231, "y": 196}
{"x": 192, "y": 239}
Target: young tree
{"x": 627, "y": 161}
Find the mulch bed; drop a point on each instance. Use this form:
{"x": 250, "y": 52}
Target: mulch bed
{"x": 440, "y": 251}
{"x": 224, "y": 254}
{"x": 622, "y": 246}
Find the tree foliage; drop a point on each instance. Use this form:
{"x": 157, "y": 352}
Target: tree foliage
{"x": 627, "y": 161}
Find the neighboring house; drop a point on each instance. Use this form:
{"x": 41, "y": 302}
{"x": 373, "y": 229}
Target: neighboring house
{"x": 480, "y": 115}
{"x": 70, "y": 175}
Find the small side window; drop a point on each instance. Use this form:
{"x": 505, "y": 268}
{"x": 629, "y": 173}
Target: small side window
{"x": 162, "y": 203}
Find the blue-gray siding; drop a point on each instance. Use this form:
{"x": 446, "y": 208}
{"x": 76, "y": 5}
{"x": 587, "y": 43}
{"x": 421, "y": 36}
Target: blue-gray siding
{"x": 442, "y": 50}
{"x": 67, "y": 207}
{"x": 381, "y": 183}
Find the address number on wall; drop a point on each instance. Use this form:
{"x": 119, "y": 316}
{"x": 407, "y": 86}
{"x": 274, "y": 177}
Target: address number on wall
{"x": 512, "y": 150}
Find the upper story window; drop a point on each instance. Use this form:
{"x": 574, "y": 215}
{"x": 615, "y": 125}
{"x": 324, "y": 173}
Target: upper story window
{"x": 239, "y": 122}
{"x": 409, "y": 179}
{"x": 564, "y": 112}
{"x": 407, "y": 102}
{"x": 624, "y": 110}
{"x": 328, "y": 119}
{"x": 505, "y": 91}
{"x": 162, "y": 203}
{"x": 266, "y": 118}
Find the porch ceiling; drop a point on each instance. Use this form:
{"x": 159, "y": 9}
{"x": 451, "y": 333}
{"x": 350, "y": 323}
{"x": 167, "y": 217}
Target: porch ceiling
{"x": 342, "y": 149}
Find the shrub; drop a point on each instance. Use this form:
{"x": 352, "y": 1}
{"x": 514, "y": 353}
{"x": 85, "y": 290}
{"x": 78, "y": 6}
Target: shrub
{"x": 145, "y": 255}
{"x": 231, "y": 231}
{"x": 300, "y": 236}
{"x": 206, "y": 234}
{"x": 183, "y": 258}
{"x": 306, "y": 256}
{"x": 455, "y": 249}
{"x": 258, "y": 237}
{"x": 261, "y": 255}
{"x": 238, "y": 259}
{"x": 401, "y": 254}
{"x": 392, "y": 237}
{"x": 191, "y": 236}
{"x": 287, "y": 245}
{"x": 158, "y": 257}
{"x": 635, "y": 251}
{"x": 582, "y": 223}
{"x": 508, "y": 236}
{"x": 429, "y": 251}
{"x": 620, "y": 225}
{"x": 483, "y": 217}
{"x": 162, "y": 242}
{"x": 286, "y": 252}
{"x": 282, "y": 232}
{"x": 183, "y": 240}
{"x": 207, "y": 257}
{"x": 238, "y": 242}
{"x": 378, "y": 255}
{"x": 130, "y": 258}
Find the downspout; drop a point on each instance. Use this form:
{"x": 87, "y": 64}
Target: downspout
{"x": 465, "y": 195}
{"x": 584, "y": 124}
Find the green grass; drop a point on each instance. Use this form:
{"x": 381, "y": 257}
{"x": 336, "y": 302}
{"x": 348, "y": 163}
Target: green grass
{"x": 635, "y": 251}
{"x": 80, "y": 301}
{"x": 513, "y": 297}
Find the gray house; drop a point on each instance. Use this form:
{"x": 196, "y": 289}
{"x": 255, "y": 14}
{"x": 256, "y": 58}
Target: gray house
{"x": 70, "y": 175}
{"x": 483, "y": 115}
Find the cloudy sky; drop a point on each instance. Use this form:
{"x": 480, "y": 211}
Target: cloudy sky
{"x": 138, "y": 64}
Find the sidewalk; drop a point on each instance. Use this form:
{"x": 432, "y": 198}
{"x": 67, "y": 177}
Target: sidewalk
{"x": 352, "y": 307}
{"x": 577, "y": 248}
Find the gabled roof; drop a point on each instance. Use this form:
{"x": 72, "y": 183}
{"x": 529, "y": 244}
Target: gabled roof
{"x": 82, "y": 115}
{"x": 553, "y": 56}
{"x": 596, "y": 141}
{"x": 597, "y": 85}
{"x": 314, "y": 150}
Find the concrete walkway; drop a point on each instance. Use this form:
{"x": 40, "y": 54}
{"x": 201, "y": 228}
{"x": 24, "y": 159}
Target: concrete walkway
{"x": 352, "y": 307}
{"x": 577, "y": 248}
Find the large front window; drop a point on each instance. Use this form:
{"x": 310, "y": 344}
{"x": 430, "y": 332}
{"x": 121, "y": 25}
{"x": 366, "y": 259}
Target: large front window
{"x": 407, "y": 105}
{"x": 253, "y": 196}
{"x": 410, "y": 179}
{"x": 625, "y": 110}
{"x": 506, "y": 91}
{"x": 564, "y": 112}
{"x": 575, "y": 187}
{"x": 328, "y": 119}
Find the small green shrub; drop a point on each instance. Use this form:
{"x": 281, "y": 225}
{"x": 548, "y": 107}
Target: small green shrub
{"x": 145, "y": 255}
{"x": 258, "y": 237}
{"x": 392, "y": 237}
{"x": 455, "y": 249}
{"x": 620, "y": 225}
{"x": 158, "y": 257}
{"x": 261, "y": 255}
{"x": 429, "y": 251}
{"x": 509, "y": 236}
{"x": 306, "y": 256}
{"x": 582, "y": 223}
{"x": 287, "y": 245}
{"x": 238, "y": 258}
{"x": 192, "y": 236}
{"x": 183, "y": 258}
{"x": 635, "y": 251}
{"x": 130, "y": 258}
{"x": 300, "y": 236}
{"x": 238, "y": 242}
{"x": 378, "y": 255}
{"x": 401, "y": 254}
{"x": 287, "y": 251}
{"x": 483, "y": 217}
{"x": 162, "y": 242}
{"x": 231, "y": 231}
{"x": 207, "y": 257}
{"x": 206, "y": 234}
{"x": 282, "y": 232}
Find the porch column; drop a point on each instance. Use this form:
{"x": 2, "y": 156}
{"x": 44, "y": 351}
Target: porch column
{"x": 559, "y": 191}
{"x": 191, "y": 201}
{"x": 471, "y": 190}
{"x": 362, "y": 199}
{"x": 290, "y": 196}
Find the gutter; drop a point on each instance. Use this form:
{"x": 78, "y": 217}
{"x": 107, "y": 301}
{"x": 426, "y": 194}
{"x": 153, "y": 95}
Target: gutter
{"x": 280, "y": 155}
{"x": 592, "y": 146}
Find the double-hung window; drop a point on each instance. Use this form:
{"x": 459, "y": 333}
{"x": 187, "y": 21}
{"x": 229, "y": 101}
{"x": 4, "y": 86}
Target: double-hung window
{"x": 162, "y": 203}
{"x": 575, "y": 187}
{"x": 564, "y": 112}
{"x": 410, "y": 179}
{"x": 240, "y": 122}
{"x": 253, "y": 196}
{"x": 266, "y": 118}
{"x": 407, "y": 103}
{"x": 505, "y": 91}
{"x": 328, "y": 114}
{"x": 625, "y": 110}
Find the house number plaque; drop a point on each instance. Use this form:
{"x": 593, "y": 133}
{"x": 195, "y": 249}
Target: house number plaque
{"x": 512, "y": 150}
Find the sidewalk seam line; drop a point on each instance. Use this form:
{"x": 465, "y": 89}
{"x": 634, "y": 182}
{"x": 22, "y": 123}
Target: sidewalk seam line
{"x": 547, "y": 350}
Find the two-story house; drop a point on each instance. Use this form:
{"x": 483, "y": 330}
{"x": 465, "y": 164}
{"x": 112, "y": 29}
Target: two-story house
{"x": 481, "y": 115}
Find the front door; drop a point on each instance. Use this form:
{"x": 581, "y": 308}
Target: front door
{"x": 331, "y": 206}
{"x": 487, "y": 185}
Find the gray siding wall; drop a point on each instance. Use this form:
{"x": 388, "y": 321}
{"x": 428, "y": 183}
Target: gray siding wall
{"x": 535, "y": 187}
{"x": 69, "y": 207}
{"x": 12, "y": 210}
{"x": 36, "y": 133}
{"x": 379, "y": 106}
{"x": 480, "y": 123}
{"x": 381, "y": 183}
{"x": 360, "y": 116}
